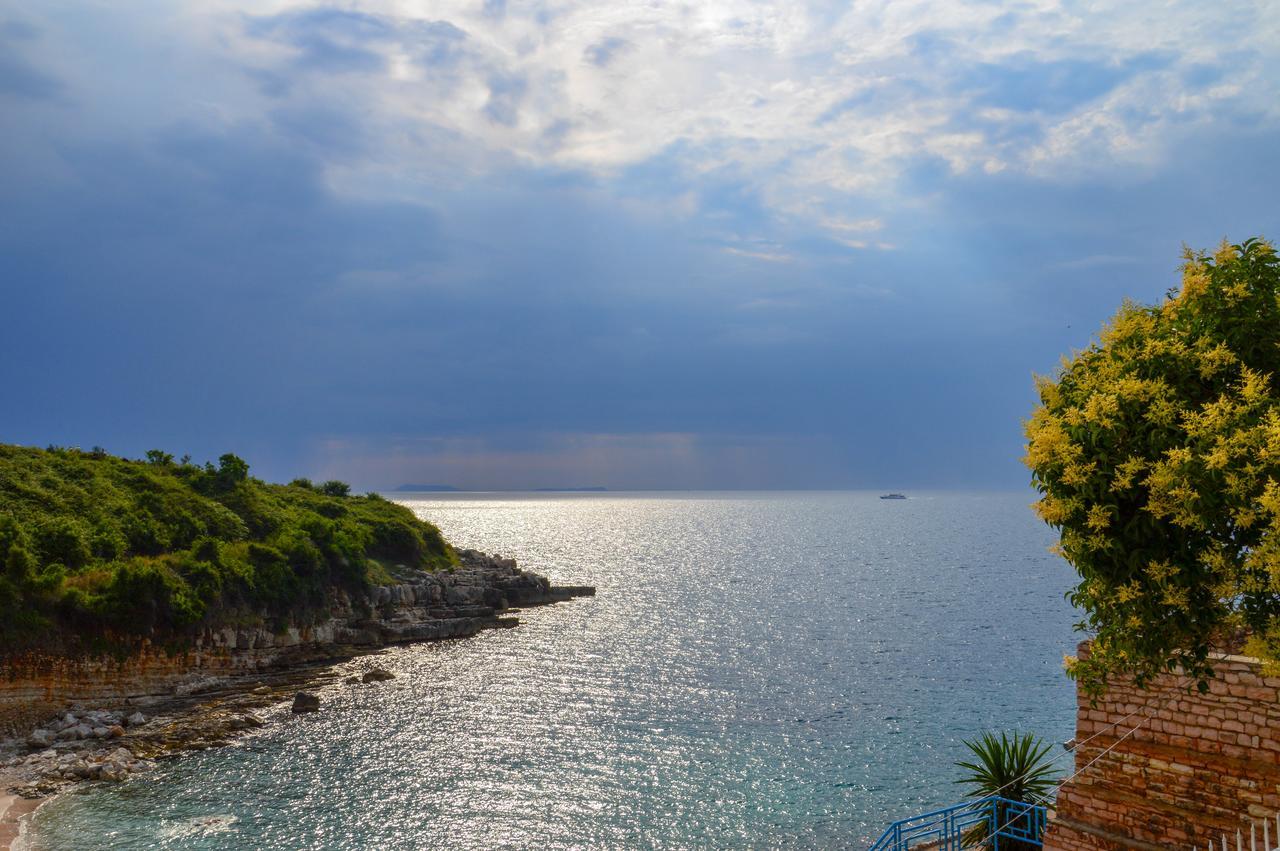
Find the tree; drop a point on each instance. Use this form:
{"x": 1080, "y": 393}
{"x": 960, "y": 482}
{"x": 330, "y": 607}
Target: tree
{"x": 1014, "y": 768}
{"x": 333, "y": 487}
{"x": 231, "y": 470}
{"x": 1157, "y": 454}
{"x": 159, "y": 458}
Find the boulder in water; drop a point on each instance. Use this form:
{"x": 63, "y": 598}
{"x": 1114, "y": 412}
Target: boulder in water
{"x": 377, "y": 675}
{"x": 305, "y": 702}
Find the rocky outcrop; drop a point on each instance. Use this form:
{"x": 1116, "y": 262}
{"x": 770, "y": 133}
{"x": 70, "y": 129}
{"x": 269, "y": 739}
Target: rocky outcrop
{"x": 92, "y": 725}
{"x": 31, "y": 770}
{"x": 50, "y": 768}
{"x": 418, "y": 607}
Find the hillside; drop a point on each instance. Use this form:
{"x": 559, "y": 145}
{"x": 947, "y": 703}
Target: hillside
{"x": 98, "y": 550}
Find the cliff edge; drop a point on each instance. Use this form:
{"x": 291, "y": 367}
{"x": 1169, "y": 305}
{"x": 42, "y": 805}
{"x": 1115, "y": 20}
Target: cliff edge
{"x": 417, "y": 605}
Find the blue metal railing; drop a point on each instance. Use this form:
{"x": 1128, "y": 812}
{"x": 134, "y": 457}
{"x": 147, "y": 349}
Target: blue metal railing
{"x": 981, "y": 823}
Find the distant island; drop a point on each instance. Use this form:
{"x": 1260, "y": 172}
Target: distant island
{"x": 427, "y": 489}
{"x": 452, "y": 489}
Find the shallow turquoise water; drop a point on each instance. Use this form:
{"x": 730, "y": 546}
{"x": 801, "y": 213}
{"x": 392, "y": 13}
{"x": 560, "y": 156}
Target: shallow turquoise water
{"x": 757, "y": 670}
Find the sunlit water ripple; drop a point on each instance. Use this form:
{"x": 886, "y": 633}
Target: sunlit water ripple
{"x": 757, "y": 670}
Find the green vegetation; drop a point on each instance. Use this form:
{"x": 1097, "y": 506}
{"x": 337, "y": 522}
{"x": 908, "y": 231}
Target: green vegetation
{"x": 94, "y": 547}
{"x": 1011, "y": 767}
{"x": 1015, "y": 768}
{"x": 1157, "y": 451}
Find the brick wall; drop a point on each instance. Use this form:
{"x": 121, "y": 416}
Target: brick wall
{"x": 1200, "y": 765}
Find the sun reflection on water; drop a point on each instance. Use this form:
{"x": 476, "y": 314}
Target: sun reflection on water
{"x": 759, "y": 670}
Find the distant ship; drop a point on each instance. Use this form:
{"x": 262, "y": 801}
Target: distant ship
{"x": 893, "y": 496}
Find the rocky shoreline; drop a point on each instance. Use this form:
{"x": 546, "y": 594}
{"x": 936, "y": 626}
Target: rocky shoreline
{"x": 76, "y": 725}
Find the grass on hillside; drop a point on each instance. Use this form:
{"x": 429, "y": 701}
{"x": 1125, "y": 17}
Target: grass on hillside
{"x": 97, "y": 547}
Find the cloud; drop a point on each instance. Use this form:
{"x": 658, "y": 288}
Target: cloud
{"x": 23, "y": 80}
{"x": 617, "y": 461}
{"x": 812, "y": 105}
{"x": 1097, "y": 260}
{"x": 724, "y": 244}
{"x": 320, "y": 129}
{"x": 1025, "y": 84}
{"x": 18, "y": 77}
{"x": 768, "y": 257}
{"x": 604, "y": 51}
{"x": 328, "y": 40}
{"x": 439, "y": 43}
{"x": 505, "y": 95}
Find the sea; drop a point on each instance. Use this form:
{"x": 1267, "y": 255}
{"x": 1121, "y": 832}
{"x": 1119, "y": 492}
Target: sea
{"x": 756, "y": 670}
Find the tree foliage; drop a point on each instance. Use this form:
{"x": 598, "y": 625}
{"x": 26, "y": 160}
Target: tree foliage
{"x": 1015, "y": 767}
{"x": 333, "y": 487}
{"x": 1157, "y": 454}
{"x": 97, "y": 546}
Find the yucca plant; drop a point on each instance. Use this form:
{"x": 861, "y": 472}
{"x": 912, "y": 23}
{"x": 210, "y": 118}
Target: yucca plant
{"x": 1014, "y": 767}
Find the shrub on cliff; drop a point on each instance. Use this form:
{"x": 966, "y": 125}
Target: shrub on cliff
{"x": 333, "y": 487}
{"x": 93, "y": 546}
{"x": 1157, "y": 452}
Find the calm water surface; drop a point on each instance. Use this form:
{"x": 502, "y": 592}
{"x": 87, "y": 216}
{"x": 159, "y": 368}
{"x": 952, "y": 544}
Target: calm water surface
{"x": 757, "y": 671}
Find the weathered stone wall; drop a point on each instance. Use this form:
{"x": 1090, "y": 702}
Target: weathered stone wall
{"x": 1200, "y": 765}
{"x": 425, "y": 607}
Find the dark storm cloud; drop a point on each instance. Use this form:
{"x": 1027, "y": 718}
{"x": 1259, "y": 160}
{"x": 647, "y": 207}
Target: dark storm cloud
{"x": 229, "y": 299}
{"x": 287, "y": 272}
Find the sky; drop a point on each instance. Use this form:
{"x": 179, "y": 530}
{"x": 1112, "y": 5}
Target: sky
{"x": 636, "y": 245}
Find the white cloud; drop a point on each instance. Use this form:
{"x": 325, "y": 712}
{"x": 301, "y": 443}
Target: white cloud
{"x": 811, "y": 107}
{"x": 767, "y": 256}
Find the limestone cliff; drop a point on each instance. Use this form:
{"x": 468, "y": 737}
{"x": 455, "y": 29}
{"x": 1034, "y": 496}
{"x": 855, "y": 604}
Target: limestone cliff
{"x": 422, "y": 606}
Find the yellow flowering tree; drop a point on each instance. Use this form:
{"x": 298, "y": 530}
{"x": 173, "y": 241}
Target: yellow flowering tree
{"x": 1157, "y": 454}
